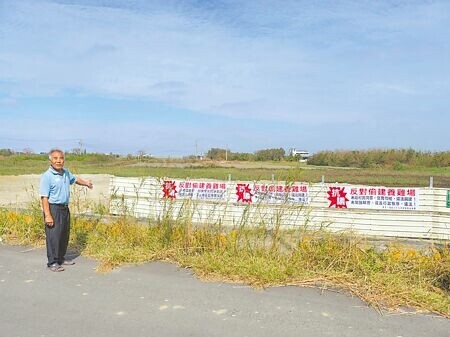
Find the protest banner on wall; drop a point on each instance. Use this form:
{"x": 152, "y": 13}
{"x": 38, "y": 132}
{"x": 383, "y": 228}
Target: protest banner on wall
{"x": 243, "y": 192}
{"x": 393, "y": 198}
{"x": 197, "y": 190}
{"x": 272, "y": 193}
{"x": 369, "y": 197}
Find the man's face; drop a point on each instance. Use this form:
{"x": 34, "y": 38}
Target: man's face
{"x": 57, "y": 160}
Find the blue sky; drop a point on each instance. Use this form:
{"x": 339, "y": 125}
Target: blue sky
{"x": 174, "y": 78}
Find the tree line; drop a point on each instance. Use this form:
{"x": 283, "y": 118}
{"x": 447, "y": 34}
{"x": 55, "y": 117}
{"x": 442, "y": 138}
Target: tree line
{"x": 276, "y": 154}
{"x": 394, "y": 158}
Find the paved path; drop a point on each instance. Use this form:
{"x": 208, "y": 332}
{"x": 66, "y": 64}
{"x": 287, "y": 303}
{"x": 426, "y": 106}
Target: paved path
{"x": 159, "y": 299}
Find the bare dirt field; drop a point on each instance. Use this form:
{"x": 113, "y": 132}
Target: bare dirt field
{"x": 17, "y": 191}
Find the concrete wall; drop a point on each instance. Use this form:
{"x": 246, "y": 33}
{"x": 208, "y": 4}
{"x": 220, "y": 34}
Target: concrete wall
{"x": 144, "y": 198}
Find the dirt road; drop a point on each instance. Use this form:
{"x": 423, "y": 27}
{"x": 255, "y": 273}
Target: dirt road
{"x": 18, "y": 191}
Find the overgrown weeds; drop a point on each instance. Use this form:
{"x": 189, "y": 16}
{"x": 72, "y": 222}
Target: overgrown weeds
{"x": 261, "y": 256}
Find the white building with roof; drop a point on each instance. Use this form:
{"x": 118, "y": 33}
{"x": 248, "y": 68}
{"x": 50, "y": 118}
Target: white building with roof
{"x": 302, "y": 155}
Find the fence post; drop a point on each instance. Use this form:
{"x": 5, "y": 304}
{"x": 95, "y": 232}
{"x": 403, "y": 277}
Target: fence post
{"x": 323, "y": 180}
{"x": 229, "y": 176}
{"x": 431, "y": 182}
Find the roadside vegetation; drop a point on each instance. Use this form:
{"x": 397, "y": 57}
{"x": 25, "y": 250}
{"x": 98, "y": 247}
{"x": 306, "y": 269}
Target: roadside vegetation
{"x": 406, "y": 168}
{"x": 389, "y": 278}
{"x": 395, "y": 159}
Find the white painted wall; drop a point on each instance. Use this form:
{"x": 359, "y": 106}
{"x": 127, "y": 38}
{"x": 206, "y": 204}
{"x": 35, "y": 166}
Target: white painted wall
{"x": 143, "y": 198}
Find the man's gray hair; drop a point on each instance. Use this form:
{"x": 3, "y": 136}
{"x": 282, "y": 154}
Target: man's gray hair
{"x": 55, "y": 149}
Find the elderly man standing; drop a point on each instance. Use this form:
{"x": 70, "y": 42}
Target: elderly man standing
{"x": 55, "y": 193}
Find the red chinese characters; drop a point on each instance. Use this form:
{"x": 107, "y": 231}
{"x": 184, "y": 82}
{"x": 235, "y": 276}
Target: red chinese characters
{"x": 380, "y": 197}
{"x": 196, "y": 190}
{"x": 337, "y": 197}
{"x": 244, "y": 193}
{"x": 169, "y": 189}
{"x": 280, "y": 194}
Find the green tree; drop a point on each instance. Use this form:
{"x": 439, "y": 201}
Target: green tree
{"x": 216, "y": 154}
{"x": 270, "y": 154}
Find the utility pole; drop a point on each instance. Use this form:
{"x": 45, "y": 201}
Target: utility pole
{"x": 80, "y": 144}
{"x": 196, "y": 149}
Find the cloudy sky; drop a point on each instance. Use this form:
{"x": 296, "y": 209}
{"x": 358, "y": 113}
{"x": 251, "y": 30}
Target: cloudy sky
{"x": 177, "y": 77}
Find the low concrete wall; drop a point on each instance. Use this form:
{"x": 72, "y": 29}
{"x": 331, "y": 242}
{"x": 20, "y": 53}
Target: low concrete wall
{"x": 144, "y": 197}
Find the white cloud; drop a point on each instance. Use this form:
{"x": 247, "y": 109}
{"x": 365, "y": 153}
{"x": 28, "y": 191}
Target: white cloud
{"x": 392, "y": 88}
{"x": 301, "y": 63}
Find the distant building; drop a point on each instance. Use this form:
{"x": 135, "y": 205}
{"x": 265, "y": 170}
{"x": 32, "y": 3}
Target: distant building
{"x": 301, "y": 154}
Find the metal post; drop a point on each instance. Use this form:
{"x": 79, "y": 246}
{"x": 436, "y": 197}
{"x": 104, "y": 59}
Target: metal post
{"x": 229, "y": 176}
{"x": 431, "y": 182}
{"x": 273, "y": 177}
{"x": 323, "y": 180}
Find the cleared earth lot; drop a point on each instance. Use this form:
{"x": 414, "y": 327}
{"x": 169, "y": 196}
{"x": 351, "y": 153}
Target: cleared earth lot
{"x": 18, "y": 191}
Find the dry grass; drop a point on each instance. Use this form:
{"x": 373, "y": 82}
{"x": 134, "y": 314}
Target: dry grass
{"x": 395, "y": 277}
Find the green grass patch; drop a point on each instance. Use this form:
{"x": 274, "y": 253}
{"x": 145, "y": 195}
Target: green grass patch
{"x": 404, "y": 176}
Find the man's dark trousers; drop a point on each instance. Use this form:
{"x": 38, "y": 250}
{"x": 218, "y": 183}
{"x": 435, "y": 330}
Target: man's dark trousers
{"x": 57, "y": 236}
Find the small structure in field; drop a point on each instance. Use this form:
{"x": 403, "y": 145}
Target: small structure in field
{"x": 302, "y": 155}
